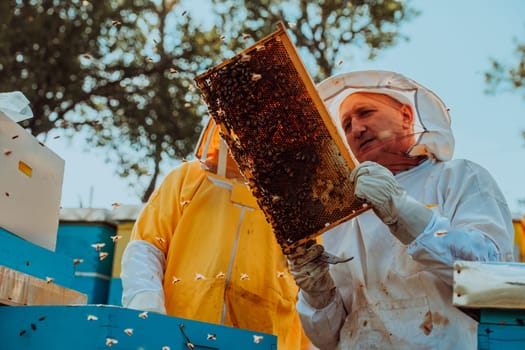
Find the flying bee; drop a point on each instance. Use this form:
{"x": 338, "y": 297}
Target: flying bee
{"x": 92, "y": 318}
{"x": 143, "y": 315}
{"x": 103, "y": 255}
{"x": 199, "y": 276}
{"x": 115, "y": 238}
{"x": 77, "y": 261}
{"x": 98, "y": 246}
{"x": 220, "y": 275}
{"x": 111, "y": 341}
{"x": 175, "y": 280}
{"x": 212, "y": 337}
{"x": 129, "y": 331}
{"x": 49, "y": 280}
{"x": 257, "y": 339}
{"x": 244, "y": 276}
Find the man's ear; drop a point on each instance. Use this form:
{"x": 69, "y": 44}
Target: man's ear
{"x": 408, "y": 115}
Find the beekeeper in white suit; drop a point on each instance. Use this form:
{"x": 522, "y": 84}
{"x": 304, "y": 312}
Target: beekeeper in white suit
{"x": 428, "y": 211}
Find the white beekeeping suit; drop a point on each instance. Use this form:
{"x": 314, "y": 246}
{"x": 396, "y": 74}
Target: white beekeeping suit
{"x": 396, "y": 293}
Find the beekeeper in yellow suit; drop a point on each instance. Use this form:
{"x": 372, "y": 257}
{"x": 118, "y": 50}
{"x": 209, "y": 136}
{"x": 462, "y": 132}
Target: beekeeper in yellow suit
{"x": 201, "y": 249}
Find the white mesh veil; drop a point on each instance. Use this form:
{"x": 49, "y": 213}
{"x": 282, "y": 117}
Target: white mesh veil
{"x": 432, "y": 122}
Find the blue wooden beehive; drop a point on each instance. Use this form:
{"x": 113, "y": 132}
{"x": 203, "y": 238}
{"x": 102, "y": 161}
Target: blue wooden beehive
{"x": 93, "y": 274}
{"x": 31, "y": 274}
{"x": 26, "y": 257}
{"x": 501, "y": 329}
{"x": 100, "y": 327}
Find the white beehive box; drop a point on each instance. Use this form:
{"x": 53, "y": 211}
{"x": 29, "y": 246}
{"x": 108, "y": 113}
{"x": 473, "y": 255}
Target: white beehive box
{"x": 31, "y": 183}
{"x": 498, "y": 285}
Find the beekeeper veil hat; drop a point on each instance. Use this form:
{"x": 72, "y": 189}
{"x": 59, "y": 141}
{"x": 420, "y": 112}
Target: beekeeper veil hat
{"x": 433, "y": 135}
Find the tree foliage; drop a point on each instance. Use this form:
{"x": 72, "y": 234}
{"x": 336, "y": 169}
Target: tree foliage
{"x": 121, "y": 71}
{"x": 326, "y": 32}
{"x": 40, "y": 47}
{"x": 510, "y": 76}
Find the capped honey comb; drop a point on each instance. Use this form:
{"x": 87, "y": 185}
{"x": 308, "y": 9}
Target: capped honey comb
{"x": 281, "y": 136}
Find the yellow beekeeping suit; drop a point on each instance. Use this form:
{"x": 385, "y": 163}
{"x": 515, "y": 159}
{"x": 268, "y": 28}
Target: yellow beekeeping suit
{"x": 222, "y": 262}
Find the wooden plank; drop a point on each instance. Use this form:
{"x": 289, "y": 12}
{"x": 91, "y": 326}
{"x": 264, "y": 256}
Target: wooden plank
{"x": 18, "y": 288}
{"x": 489, "y": 285}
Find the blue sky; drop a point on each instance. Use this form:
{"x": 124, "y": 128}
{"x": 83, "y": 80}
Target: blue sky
{"x": 449, "y": 50}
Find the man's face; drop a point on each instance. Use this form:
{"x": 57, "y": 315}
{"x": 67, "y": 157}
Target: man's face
{"x": 378, "y": 128}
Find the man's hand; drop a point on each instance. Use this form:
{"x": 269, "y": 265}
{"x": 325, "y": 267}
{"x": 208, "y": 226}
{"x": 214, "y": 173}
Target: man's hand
{"x": 310, "y": 269}
{"x": 405, "y": 217}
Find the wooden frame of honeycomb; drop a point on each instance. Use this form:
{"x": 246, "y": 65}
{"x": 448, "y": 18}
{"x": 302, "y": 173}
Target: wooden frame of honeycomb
{"x": 281, "y": 136}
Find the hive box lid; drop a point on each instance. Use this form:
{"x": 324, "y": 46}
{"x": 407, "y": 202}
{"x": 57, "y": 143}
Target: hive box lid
{"x": 31, "y": 185}
{"x": 101, "y": 327}
{"x": 491, "y": 284}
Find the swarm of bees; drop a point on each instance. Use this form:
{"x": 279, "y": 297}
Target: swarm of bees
{"x": 280, "y": 141}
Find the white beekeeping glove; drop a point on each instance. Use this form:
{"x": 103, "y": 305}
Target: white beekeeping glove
{"x": 142, "y": 276}
{"x": 405, "y": 216}
{"x": 309, "y": 266}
